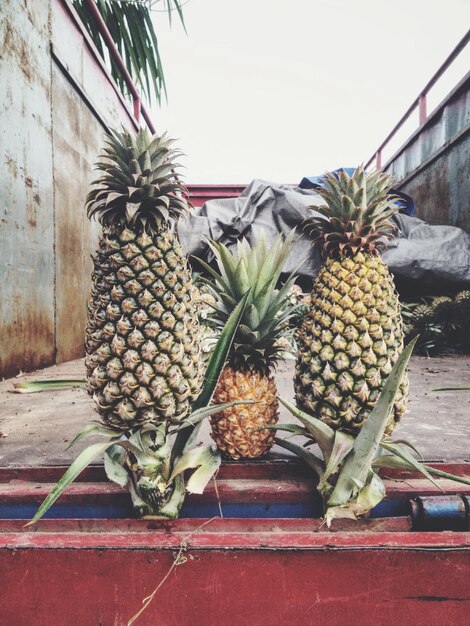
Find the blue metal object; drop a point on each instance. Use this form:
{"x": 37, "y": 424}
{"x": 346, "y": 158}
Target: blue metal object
{"x": 122, "y": 508}
{"x": 435, "y": 513}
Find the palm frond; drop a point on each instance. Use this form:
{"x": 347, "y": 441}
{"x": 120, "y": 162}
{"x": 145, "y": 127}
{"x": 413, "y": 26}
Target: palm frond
{"x": 132, "y": 30}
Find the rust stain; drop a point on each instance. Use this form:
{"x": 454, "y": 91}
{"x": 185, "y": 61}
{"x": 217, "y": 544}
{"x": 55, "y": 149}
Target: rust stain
{"x": 31, "y": 214}
{"x": 14, "y": 43}
{"x": 28, "y": 341}
{"x": 32, "y": 202}
{"x": 430, "y": 190}
{"x": 12, "y": 167}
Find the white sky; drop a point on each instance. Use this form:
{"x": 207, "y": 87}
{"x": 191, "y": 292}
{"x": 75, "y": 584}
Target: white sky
{"x": 280, "y": 90}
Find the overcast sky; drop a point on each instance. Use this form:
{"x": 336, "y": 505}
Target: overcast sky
{"x": 284, "y": 89}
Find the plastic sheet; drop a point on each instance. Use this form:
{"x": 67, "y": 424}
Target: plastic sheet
{"x": 420, "y": 252}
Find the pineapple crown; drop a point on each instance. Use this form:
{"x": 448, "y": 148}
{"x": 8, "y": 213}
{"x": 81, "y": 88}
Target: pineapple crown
{"x": 138, "y": 186}
{"x": 256, "y": 268}
{"x": 356, "y": 216}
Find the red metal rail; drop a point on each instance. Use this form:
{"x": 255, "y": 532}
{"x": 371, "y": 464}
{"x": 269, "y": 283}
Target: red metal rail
{"x": 200, "y": 194}
{"x": 139, "y": 107}
{"x": 420, "y": 101}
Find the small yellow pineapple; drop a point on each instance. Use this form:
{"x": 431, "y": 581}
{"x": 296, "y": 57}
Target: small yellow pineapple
{"x": 258, "y": 342}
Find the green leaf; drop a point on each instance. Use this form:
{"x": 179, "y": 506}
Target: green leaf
{"x": 394, "y": 462}
{"x": 274, "y": 261}
{"x": 368, "y": 497}
{"x": 93, "y": 429}
{"x": 214, "y": 274}
{"x": 343, "y": 444}
{"x": 207, "y": 461}
{"x": 321, "y": 432}
{"x": 451, "y": 389}
{"x": 311, "y": 459}
{"x": 197, "y": 416}
{"x": 402, "y": 453}
{"x": 81, "y": 462}
{"x": 404, "y": 442}
{"x": 131, "y": 210}
{"x": 242, "y": 281}
{"x": 228, "y": 263}
{"x": 214, "y": 369}
{"x": 132, "y": 30}
{"x": 114, "y": 458}
{"x": 295, "y": 429}
{"x": 220, "y": 353}
{"x": 35, "y": 386}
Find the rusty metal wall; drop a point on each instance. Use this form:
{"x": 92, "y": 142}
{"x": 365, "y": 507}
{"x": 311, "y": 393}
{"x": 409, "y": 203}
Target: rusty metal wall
{"x": 56, "y": 101}
{"x": 26, "y": 194}
{"x": 434, "y": 164}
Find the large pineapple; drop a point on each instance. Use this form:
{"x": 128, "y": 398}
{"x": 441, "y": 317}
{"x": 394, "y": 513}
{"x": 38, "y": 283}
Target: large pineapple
{"x": 142, "y": 339}
{"x": 353, "y": 334}
{"x": 259, "y": 342}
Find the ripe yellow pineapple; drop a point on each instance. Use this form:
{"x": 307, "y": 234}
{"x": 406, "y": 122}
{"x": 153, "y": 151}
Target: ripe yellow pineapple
{"x": 257, "y": 346}
{"x": 353, "y": 333}
{"x": 143, "y": 354}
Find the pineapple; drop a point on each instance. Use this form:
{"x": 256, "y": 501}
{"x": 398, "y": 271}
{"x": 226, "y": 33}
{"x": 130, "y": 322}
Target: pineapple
{"x": 353, "y": 333}
{"x": 260, "y": 341}
{"x": 422, "y": 314}
{"x": 463, "y": 297}
{"x": 462, "y": 304}
{"x": 442, "y": 308}
{"x": 143, "y": 354}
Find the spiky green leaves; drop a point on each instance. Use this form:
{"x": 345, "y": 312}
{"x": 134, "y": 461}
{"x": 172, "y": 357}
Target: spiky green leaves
{"x": 356, "y": 216}
{"x": 138, "y": 186}
{"x": 258, "y": 342}
{"x": 347, "y": 478}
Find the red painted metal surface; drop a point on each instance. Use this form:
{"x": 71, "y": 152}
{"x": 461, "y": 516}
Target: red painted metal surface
{"x": 271, "y": 577}
{"x": 199, "y": 194}
{"x": 420, "y": 100}
{"x": 234, "y": 571}
{"x": 282, "y": 481}
{"x": 272, "y": 468}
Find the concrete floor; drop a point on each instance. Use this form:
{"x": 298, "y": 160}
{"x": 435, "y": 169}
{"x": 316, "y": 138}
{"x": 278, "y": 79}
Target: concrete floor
{"x": 36, "y": 428}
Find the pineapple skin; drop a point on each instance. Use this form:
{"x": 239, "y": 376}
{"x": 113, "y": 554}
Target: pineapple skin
{"x": 143, "y": 353}
{"x": 349, "y": 342}
{"x": 233, "y": 428}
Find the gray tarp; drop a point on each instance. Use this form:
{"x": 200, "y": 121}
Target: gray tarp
{"x": 432, "y": 254}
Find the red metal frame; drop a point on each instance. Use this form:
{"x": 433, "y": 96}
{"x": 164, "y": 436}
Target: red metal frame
{"x": 199, "y": 194}
{"x": 239, "y": 572}
{"x": 420, "y": 101}
{"x": 139, "y": 108}
{"x": 282, "y": 480}
{"x": 232, "y": 572}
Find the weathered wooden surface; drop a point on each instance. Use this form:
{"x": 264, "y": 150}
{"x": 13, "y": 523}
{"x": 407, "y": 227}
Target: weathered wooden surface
{"x": 36, "y": 428}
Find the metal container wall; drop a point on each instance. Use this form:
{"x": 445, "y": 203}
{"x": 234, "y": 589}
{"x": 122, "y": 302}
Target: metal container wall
{"x": 433, "y": 166}
{"x": 254, "y": 571}
{"x": 56, "y": 102}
